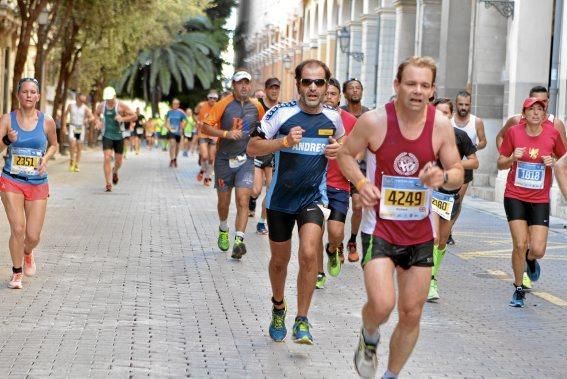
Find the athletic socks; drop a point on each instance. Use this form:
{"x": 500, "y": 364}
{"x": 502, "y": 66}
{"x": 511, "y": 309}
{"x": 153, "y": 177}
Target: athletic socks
{"x": 372, "y": 338}
{"x": 438, "y": 256}
{"x": 352, "y": 238}
{"x": 239, "y": 235}
{"x": 223, "y": 226}
{"x": 16, "y": 270}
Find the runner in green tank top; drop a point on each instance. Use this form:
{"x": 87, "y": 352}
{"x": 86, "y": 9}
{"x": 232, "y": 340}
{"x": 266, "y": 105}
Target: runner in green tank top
{"x": 114, "y": 112}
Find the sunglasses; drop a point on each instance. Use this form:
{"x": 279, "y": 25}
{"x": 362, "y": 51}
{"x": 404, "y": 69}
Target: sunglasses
{"x": 212, "y": 97}
{"x": 307, "y": 82}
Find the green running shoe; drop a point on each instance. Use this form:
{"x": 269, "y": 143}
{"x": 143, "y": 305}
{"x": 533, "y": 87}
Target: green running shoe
{"x": 238, "y": 249}
{"x": 321, "y": 280}
{"x": 301, "y": 334}
{"x": 333, "y": 262}
{"x": 526, "y": 282}
{"x": 222, "y": 241}
{"x": 433, "y": 294}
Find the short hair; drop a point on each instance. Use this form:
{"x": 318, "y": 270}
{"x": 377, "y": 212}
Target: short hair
{"x": 426, "y": 62}
{"x": 311, "y": 62}
{"x": 443, "y": 100}
{"x": 463, "y": 93}
{"x": 348, "y": 81}
{"x": 538, "y": 89}
{"x": 335, "y": 83}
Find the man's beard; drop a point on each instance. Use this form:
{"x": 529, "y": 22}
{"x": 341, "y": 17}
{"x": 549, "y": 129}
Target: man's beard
{"x": 354, "y": 101}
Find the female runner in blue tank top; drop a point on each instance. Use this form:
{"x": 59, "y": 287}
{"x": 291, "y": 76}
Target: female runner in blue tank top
{"x": 31, "y": 140}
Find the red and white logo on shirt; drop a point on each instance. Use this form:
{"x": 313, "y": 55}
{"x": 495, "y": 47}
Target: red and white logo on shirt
{"x": 406, "y": 164}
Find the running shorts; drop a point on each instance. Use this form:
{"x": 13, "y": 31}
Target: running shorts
{"x": 76, "y": 134}
{"x": 207, "y": 140}
{"x": 264, "y": 161}
{"x": 227, "y": 177}
{"x": 174, "y": 136}
{"x": 338, "y": 204}
{"x": 280, "y": 224}
{"x": 111, "y": 144}
{"x": 420, "y": 255}
{"x": 532, "y": 213}
{"x": 31, "y": 192}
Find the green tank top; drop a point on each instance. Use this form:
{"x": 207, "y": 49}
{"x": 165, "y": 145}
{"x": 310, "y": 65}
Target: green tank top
{"x": 190, "y": 125}
{"x": 111, "y": 126}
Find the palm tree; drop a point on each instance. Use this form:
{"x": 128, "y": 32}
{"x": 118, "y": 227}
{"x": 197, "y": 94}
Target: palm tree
{"x": 156, "y": 68}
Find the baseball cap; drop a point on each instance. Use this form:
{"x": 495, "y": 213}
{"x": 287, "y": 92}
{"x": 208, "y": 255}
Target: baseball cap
{"x": 108, "y": 93}
{"x": 531, "y": 101}
{"x": 272, "y": 82}
{"x": 240, "y": 75}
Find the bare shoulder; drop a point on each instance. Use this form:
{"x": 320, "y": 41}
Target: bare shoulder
{"x": 49, "y": 121}
{"x": 442, "y": 123}
{"x": 479, "y": 122}
{"x": 512, "y": 121}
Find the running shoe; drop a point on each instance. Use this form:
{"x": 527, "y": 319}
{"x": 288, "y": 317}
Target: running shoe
{"x": 301, "y": 334}
{"x": 526, "y": 282}
{"x": 365, "y": 358}
{"x": 352, "y": 253}
{"x": 342, "y": 253}
{"x": 200, "y": 175}
{"x": 71, "y": 166}
{"x": 222, "y": 241}
{"x": 261, "y": 228}
{"x": 333, "y": 262}
{"x": 175, "y": 162}
{"x": 171, "y": 163}
{"x": 433, "y": 294}
{"x": 321, "y": 280}
{"x": 518, "y": 298}
{"x": 114, "y": 178}
{"x": 251, "y": 213}
{"x": 29, "y": 265}
{"x": 207, "y": 182}
{"x": 76, "y": 168}
{"x": 108, "y": 188}
{"x": 16, "y": 281}
{"x": 532, "y": 269}
{"x": 277, "y": 328}
{"x": 238, "y": 249}
{"x": 450, "y": 240}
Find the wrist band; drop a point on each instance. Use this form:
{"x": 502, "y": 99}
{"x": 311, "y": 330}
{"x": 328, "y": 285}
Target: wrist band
{"x": 225, "y": 134}
{"x": 284, "y": 142}
{"x": 6, "y": 141}
{"x": 360, "y": 184}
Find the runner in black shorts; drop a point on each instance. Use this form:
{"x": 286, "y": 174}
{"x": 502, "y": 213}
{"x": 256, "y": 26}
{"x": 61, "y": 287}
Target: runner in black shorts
{"x": 446, "y": 204}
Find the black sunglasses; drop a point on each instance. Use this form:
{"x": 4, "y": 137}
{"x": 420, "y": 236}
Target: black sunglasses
{"x": 307, "y": 82}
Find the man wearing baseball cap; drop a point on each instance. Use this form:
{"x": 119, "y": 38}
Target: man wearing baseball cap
{"x": 231, "y": 120}
{"x": 114, "y": 113}
{"x": 264, "y": 164}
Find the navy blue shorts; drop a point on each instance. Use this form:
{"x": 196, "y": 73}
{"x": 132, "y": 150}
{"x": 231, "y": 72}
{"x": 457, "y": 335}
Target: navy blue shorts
{"x": 338, "y": 203}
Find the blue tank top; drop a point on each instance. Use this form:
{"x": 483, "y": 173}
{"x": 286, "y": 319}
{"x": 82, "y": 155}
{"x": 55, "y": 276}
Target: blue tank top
{"x": 25, "y": 154}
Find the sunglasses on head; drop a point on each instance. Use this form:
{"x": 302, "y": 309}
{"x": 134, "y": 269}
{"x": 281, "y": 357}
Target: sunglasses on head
{"x": 23, "y": 80}
{"x": 307, "y": 82}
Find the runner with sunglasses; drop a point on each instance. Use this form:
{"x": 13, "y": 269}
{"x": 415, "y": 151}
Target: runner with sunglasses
{"x": 31, "y": 139}
{"x": 303, "y": 134}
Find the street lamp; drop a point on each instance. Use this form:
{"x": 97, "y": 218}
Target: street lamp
{"x": 286, "y": 59}
{"x": 343, "y": 35}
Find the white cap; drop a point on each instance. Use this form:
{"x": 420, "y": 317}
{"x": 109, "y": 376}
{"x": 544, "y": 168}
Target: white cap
{"x": 108, "y": 93}
{"x": 239, "y": 75}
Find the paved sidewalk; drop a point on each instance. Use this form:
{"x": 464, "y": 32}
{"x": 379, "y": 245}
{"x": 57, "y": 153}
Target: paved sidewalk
{"x": 131, "y": 284}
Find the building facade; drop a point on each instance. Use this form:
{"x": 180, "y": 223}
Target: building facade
{"x": 497, "y": 50}
{"x": 9, "y": 24}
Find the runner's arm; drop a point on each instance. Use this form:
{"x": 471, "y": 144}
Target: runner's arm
{"x": 126, "y": 114}
{"x": 51, "y": 133}
{"x": 560, "y": 126}
{"x": 479, "y": 126}
{"x": 98, "y": 112}
{"x": 560, "y": 171}
{"x": 64, "y": 128}
{"x": 509, "y": 123}
{"x": 471, "y": 163}
{"x": 453, "y": 173}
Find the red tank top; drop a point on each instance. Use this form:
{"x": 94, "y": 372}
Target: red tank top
{"x": 401, "y": 159}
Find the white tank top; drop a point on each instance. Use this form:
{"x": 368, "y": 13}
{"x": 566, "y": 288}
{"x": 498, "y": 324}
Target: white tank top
{"x": 78, "y": 114}
{"x": 469, "y": 128}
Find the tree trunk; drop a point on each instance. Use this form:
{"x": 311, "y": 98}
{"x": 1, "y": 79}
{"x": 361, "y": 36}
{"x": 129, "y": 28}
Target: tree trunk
{"x": 65, "y": 66}
{"x": 28, "y": 16}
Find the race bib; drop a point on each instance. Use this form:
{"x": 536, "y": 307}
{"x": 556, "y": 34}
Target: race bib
{"x": 530, "y": 175}
{"x": 25, "y": 161}
{"x": 139, "y": 130}
{"x": 78, "y": 129}
{"x": 237, "y": 161}
{"x": 188, "y": 134}
{"x": 442, "y": 204}
{"x": 126, "y": 134}
{"x": 403, "y": 198}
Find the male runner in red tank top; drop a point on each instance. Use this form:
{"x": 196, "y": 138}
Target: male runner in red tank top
{"x": 407, "y": 137}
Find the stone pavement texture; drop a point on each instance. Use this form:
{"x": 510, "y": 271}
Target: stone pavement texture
{"x": 131, "y": 284}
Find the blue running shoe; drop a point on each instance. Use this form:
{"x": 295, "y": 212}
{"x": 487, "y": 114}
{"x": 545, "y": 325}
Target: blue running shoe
{"x": 301, "y": 332}
{"x": 277, "y": 328}
{"x": 518, "y": 298}
{"x": 261, "y": 228}
{"x": 532, "y": 269}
